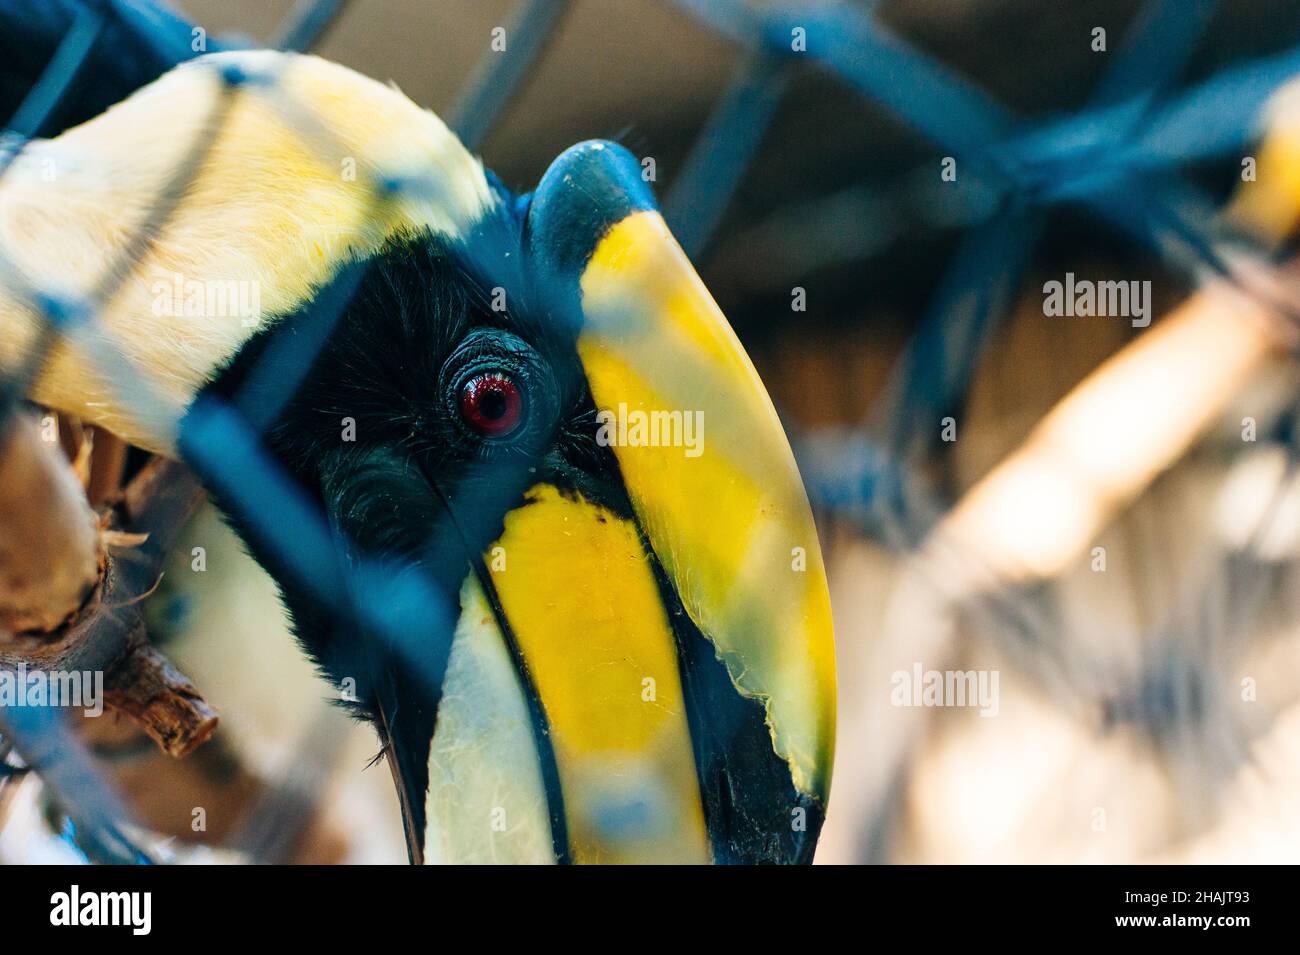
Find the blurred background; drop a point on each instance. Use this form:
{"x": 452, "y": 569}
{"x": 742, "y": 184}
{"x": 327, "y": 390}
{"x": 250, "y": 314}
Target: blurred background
{"x": 1104, "y": 515}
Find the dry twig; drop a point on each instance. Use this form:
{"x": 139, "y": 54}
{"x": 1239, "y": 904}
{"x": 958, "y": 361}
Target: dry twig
{"x": 52, "y": 532}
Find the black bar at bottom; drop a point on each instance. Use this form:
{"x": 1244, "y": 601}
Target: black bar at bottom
{"x": 366, "y": 905}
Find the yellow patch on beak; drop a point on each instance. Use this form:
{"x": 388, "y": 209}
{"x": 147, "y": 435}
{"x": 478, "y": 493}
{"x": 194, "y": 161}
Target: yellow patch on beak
{"x": 581, "y": 597}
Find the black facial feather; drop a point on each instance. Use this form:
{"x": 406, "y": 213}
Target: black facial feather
{"x": 374, "y": 420}
{"x": 374, "y": 437}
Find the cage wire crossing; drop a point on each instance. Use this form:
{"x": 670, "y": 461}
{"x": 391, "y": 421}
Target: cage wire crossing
{"x": 1118, "y": 157}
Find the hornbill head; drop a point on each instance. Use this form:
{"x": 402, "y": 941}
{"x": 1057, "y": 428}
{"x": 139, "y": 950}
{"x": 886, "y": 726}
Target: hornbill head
{"x": 570, "y": 570}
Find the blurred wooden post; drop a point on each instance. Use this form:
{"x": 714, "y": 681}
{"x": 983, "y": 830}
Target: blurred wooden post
{"x": 1106, "y": 442}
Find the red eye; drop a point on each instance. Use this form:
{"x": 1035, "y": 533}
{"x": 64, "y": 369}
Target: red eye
{"x": 492, "y": 404}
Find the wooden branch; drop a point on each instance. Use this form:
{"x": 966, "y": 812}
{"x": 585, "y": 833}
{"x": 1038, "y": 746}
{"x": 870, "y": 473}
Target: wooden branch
{"x": 107, "y": 632}
{"x": 148, "y": 689}
{"x": 107, "y": 462}
{"x": 51, "y": 554}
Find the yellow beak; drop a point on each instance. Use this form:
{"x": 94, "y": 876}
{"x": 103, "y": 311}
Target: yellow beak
{"x": 731, "y": 526}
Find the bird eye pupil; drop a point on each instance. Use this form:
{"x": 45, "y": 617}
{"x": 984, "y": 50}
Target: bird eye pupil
{"x": 492, "y": 404}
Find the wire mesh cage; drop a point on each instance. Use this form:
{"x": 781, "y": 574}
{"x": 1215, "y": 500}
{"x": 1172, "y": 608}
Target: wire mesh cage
{"x": 993, "y": 565}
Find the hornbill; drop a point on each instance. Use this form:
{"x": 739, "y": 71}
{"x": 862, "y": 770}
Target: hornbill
{"x": 622, "y": 647}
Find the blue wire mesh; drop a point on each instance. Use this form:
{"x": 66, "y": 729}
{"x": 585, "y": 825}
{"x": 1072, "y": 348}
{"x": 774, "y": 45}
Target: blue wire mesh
{"x": 1100, "y": 158}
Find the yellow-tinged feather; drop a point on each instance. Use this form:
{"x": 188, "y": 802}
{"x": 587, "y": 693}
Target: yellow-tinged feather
{"x": 487, "y": 802}
{"x": 277, "y": 204}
